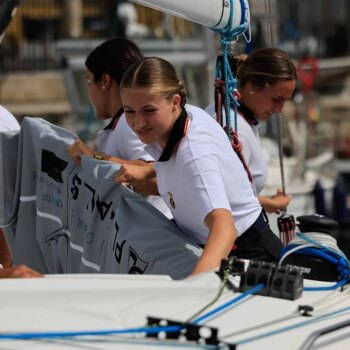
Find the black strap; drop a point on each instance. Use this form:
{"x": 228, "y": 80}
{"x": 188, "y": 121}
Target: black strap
{"x": 176, "y": 134}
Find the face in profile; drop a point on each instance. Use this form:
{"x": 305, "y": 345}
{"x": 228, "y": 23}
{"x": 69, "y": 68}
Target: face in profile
{"x": 151, "y": 117}
{"x": 270, "y": 99}
{"x": 96, "y": 96}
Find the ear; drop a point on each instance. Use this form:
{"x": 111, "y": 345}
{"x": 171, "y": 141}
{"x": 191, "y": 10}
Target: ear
{"x": 176, "y": 101}
{"x": 253, "y": 88}
{"x": 106, "y": 81}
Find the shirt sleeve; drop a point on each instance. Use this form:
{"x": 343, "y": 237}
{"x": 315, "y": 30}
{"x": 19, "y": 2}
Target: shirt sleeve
{"x": 208, "y": 190}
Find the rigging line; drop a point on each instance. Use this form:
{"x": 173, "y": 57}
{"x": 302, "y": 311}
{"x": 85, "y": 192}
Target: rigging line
{"x": 325, "y": 307}
{"x": 68, "y": 334}
{"x": 317, "y": 334}
{"x": 261, "y": 325}
{"x": 127, "y": 341}
{"x": 229, "y": 303}
{"x": 322, "y": 247}
{"x": 339, "y": 284}
{"x": 294, "y": 326}
{"x": 280, "y": 153}
{"x": 338, "y": 297}
{"x": 272, "y": 43}
{"x": 324, "y": 241}
{"x": 317, "y": 307}
{"x": 272, "y": 36}
{"x": 227, "y": 36}
{"x": 147, "y": 330}
{"x": 227, "y": 273}
{"x": 268, "y": 25}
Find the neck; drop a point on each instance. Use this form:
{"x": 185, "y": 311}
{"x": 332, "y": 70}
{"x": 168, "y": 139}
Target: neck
{"x": 114, "y": 100}
{"x": 165, "y": 139}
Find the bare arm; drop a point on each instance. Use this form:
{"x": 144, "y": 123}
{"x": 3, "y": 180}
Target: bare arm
{"x": 222, "y": 235}
{"x": 275, "y": 203}
{"x": 148, "y": 188}
{"x": 9, "y": 271}
{"x": 19, "y": 271}
{"x": 79, "y": 148}
{"x": 142, "y": 178}
{"x": 5, "y": 254}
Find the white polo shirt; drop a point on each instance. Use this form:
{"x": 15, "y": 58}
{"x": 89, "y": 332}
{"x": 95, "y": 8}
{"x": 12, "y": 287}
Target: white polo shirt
{"x": 203, "y": 174}
{"x": 118, "y": 140}
{"x": 7, "y": 121}
{"x": 248, "y": 135}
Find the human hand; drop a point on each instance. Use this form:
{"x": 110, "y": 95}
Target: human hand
{"x": 134, "y": 174}
{"x": 79, "y": 148}
{"x": 19, "y": 271}
{"x": 279, "y": 201}
{"x": 276, "y": 203}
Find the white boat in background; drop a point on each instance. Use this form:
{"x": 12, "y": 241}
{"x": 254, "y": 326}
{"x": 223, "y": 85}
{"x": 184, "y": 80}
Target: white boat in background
{"x": 301, "y": 174}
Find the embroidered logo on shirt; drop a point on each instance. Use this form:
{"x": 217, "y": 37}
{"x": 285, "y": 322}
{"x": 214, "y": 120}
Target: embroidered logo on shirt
{"x": 171, "y": 200}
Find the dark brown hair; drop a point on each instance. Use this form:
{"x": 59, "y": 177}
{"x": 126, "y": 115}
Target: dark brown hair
{"x": 113, "y": 57}
{"x": 263, "y": 67}
{"x": 158, "y": 76}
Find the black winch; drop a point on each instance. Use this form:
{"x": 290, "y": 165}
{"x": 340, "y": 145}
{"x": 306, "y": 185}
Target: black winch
{"x": 314, "y": 262}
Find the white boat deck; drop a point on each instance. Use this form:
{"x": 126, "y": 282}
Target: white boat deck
{"x": 112, "y": 302}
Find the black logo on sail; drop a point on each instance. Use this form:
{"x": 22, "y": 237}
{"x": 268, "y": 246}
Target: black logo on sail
{"x": 52, "y": 165}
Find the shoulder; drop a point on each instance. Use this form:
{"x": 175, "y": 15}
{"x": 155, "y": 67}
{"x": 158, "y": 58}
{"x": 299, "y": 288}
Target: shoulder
{"x": 7, "y": 121}
{"x": 244, "y": 128}
{"x": 201, "y": 118}
{"x": 122, "y": 123}
{"x": 123, "y": 130}
{"x": 210, "y": 109}
{"x": 205, "y": 134}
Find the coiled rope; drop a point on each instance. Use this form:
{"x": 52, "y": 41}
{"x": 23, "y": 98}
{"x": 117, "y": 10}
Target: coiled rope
{"x": 322, "y": 246}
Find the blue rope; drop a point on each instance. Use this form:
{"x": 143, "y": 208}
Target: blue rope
{"x": 146, "y": 330}
{"x": 228, "y": 35}
{"x": 48, "y": 335}
{"x": 294, "y": 326}
{"x": 229, "y": 303}
{"x": 325, "y": 253}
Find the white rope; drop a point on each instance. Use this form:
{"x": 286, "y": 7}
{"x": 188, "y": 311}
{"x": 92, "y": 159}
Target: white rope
{"x": 319, "y": 240}
{"x": 313, "y": 239}
{"x": 306, "y": 245}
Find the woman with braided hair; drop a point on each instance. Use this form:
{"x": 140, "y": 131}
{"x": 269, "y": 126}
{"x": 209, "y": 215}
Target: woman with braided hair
{"x": 266, "y": 80}
{"x": 199, "y": 176}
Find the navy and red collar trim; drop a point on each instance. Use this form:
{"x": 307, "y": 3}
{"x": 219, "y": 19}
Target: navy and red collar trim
{"x": 247, "y": 114}
{"x": 177, "y": 133}
{"x": 112, "y": 124}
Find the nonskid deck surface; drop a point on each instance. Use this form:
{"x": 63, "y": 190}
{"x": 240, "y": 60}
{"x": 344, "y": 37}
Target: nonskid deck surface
{"x": 113, "y": 302}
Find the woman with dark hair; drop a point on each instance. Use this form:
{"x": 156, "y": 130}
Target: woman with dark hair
{"x": 266, "y": 80}
{"x": 117, "y": 143}
{"x": 198, "y": 174}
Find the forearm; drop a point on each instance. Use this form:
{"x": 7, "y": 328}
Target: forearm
{"x": 124, "y": 161}
{"x": 19, "y": 271}
{"x": 220, "y": 241}
{"x": 136, "y": 175}
{"x": 5, "y": 254}
{"x": 148, "y": 188}
{"x": 266, "y": 203}
{"x": 275, "y": 203}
